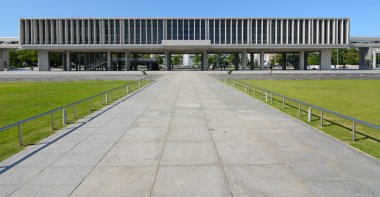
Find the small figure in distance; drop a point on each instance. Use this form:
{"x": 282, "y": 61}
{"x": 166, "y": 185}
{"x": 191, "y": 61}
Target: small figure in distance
{"x": 270, "y": 69}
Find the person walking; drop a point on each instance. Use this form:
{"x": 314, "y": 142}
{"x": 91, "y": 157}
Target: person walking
{"x": 270, "y": 69}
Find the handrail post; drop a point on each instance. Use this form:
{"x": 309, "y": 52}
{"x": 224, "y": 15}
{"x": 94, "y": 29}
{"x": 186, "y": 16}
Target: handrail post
{"x": 266, "y": 96}
{"x": 147, "y": 80}
{"x": 233, "y": 83}
{"x": 353, "y": 130}
{"x": 321, "y": 118}
{"x": 64, "y": 118}
{"x": 309, "y": 112}
{"x": 52, "y": 119}
{"x": 127, "y": 89}
{"x": 225, "y": 80}
{"x": 20, "y": 134}
{"x": 271, "y": 98}
{"x": 283, "y": 102}
{"x": 107, "y": 98}
{"x": 299, "y": 109}
{"x": 245, "y": 88}
{"x": 139, "y": 83}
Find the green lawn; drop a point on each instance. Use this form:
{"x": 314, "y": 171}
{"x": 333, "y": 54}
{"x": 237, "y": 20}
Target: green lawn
{"x": 356, "y": 98}
{"x": 19, "y": 101}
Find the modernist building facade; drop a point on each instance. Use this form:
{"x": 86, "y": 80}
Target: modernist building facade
{"x": 100, "y": 38}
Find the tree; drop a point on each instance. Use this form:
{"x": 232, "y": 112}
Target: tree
{"x": 352, "y": 57}
{"x": 197, "y": 60}
{"x": 212, "y": 59}
{"x": 17, "y": 57}
{"x": 234, "y": 59}
{"x": 176, "y": 60}
{"x": 313, "y": 59}
{"x": 160, "y": 59}
{"x": 345, "y": 57}
{"x": 56, "y": 59}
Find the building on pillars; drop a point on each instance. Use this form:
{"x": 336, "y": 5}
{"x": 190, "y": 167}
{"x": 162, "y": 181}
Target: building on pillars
{"x": 92, "y": 43}
{"x": 7, "y": 44}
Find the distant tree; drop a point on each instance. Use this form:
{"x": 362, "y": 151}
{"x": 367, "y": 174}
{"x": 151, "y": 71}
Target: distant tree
{"x": 56, "y": 59}
{"x": 220, "y": 59}
{"x": 346, "y": 56}
{"x": 313, "y": 59}
{"x": 212, "y": 59}
{"x": 17, "y": 57}
{"x": 176, "y": 59}
{"x": 234, "y": 59}
{"x": 352, "y": 57}
{"x": 197, "y": 60}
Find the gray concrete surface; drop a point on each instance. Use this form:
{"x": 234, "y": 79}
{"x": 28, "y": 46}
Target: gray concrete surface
{"x": 190, "y": 135}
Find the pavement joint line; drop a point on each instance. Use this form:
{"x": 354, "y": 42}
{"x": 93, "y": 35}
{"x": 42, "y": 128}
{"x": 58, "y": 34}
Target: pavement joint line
{"x": 117, "y": 141}
{"x": 214, "y": 145}
{"x": 167, "y": 133}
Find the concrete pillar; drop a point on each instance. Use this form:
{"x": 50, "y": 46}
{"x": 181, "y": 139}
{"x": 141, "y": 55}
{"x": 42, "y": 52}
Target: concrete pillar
{"x": 43, "y": 61}
{"x": 168, "y": 60}
{"x": 364, "y": 58}
{"x": 325, "y": 59}
{"x": 252, "y": 61}
{"x": 374, "y": 60}
{"x": 204, "y": 60}
{"x": 306, "y": 60}
{"x": 374, "y": 63}
{"x": 283, "y": 62}
{"x": 128, "y": 60}
{"x": 262, "y": 60}
{"x": 244, "y": 60}
{"x": 109, "y": 60}
{"x": 4, "y": 59}
{"x": 301, "y": 62}
{"x": 68, "y": 61}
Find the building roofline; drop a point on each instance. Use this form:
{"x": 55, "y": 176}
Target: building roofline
{"x": 168, "y": 18}
{"x": 365, "y": 38}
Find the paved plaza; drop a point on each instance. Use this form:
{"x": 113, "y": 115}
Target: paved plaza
{"x": 190, "y": 135}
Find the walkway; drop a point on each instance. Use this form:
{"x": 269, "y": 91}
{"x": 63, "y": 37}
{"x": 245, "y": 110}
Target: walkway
{"x": 190, "y": 135}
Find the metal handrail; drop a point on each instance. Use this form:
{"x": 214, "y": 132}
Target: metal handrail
{"x": 311, "y": 106}
{"x": 63, "y": 108}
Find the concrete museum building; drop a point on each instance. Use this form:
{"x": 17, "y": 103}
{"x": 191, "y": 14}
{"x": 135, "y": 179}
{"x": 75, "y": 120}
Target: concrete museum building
{"x": 93, "y": 42}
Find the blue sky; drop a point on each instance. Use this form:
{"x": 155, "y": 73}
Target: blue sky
{"x": 364, "y": 14}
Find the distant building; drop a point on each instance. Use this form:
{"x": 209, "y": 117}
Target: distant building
{"x": 92, "y": 42}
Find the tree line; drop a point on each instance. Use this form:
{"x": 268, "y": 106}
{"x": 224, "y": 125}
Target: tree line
{"x": 28, "y": 58}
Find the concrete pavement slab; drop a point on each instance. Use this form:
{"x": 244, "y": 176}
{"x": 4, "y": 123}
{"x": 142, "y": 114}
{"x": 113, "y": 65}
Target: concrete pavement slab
{"x": 43, "y": 191}
{"x": 133, "y": 153}
{"x": 231, "y": 133}
{"x": 118, "y": 181}
{"x": 243, "y": 152}
{"x": 136, "y": 133}
{"x": 338, "y": 188}
{"x": 264, "y": 180}
{"x": 189, "y": 153}
{"x": 6, "y": 190}
{"x": 189, "y": 133}
{"x": 204, "y": 181}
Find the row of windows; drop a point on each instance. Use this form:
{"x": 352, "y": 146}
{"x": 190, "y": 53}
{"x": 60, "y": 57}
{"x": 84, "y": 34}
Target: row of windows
{"x": 153, "y": 31}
